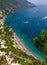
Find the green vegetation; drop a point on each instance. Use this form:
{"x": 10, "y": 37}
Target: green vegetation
{"x": 41, "y": 42}
{"x": 3, "y": 61}
{"x": 16, "y": 54}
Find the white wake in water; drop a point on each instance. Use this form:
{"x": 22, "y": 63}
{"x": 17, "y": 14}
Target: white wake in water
{"x": 44, "y": 17}
{"x": 26, "y": 22}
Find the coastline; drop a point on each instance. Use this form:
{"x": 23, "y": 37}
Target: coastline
{"x": 21, "y": 45}
{"x": 19, "y": 42}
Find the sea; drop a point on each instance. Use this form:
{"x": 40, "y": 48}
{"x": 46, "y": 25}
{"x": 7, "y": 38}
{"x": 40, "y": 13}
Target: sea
{"x": 27, "y": 23}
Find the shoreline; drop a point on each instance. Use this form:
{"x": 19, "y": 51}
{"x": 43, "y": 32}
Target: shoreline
{"x": 19, "y": 42}
{"x": 21, "y": 45}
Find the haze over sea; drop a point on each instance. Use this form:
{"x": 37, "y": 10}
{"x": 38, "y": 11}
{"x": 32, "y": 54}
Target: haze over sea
{"x": 28, "y": 23}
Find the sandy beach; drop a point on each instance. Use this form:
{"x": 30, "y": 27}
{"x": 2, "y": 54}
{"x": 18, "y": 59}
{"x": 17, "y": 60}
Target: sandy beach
{"x": 23, "y": 47}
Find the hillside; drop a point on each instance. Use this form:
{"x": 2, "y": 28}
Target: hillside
{"x": 13, "y": 5}
{"x": 10, "y": 52}
{"x": 41, "y": 42}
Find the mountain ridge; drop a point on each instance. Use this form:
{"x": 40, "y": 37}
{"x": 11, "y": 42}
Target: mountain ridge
{"x": 14, "y": 5}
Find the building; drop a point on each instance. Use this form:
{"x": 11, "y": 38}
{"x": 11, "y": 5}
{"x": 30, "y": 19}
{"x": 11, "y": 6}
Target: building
{"x": 2, "y": 53}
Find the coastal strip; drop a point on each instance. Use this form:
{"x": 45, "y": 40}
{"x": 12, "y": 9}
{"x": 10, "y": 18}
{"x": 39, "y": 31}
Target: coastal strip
{"x": 20, "y": 43}
{"x": 21, "y": 46}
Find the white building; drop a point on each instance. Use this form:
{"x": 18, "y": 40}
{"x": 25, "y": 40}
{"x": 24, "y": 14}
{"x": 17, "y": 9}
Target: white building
{"x": 2, "y": 41}
{"x": 2, "y": 53}
{"x": 3, "y": 46}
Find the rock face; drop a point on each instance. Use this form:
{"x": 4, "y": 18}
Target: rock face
{"x": 13, "y": 5}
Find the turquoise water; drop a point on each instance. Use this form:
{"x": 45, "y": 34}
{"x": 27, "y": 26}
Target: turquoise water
{"x": 28, "y": 23}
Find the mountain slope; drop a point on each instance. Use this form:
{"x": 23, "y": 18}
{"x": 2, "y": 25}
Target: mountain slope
{"x": 13, "y": 5}
{"x": 11, "y": 52}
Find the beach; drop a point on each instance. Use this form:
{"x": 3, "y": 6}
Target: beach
{"x": 21, "y": 46}
{"x": 20, "y": 43}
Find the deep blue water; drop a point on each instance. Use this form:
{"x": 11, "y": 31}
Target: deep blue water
{"x": 28, "y": 23}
